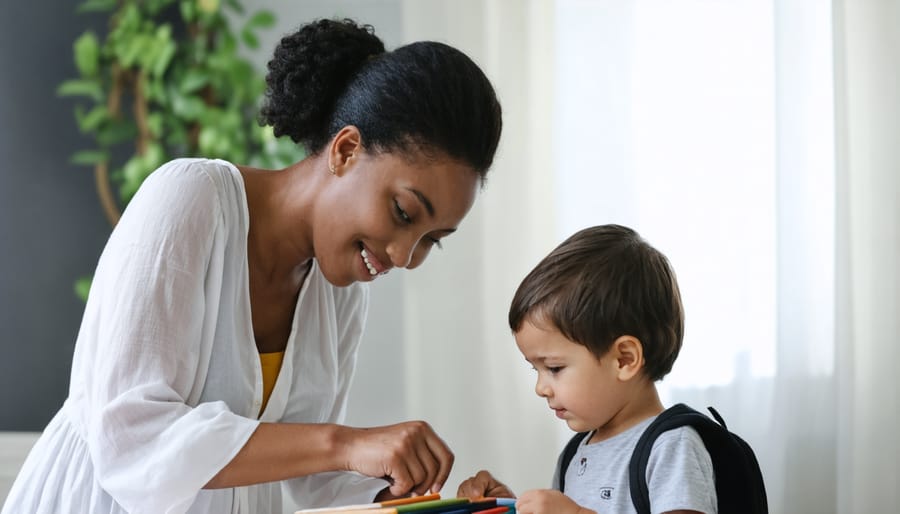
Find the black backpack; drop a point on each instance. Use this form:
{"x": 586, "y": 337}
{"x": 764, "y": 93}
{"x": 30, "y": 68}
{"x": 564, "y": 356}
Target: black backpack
{"x": 739, "y": 482}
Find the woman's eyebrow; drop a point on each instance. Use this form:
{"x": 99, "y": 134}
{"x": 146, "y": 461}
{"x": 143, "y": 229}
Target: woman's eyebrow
{"x": 424, "y": 199}
{"x": 428, "y": 207}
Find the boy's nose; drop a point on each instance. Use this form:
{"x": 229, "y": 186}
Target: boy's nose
{"x": 542, "y": 389}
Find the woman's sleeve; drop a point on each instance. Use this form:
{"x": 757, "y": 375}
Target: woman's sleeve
{"x": 153, "y": 300}
{"x": 340, "y": 488}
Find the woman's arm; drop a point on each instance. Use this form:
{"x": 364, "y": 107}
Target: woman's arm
{"x": 410, "y": 455}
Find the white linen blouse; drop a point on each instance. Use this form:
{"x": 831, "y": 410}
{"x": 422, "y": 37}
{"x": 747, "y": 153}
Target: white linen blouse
{"x": 166, "y": 381}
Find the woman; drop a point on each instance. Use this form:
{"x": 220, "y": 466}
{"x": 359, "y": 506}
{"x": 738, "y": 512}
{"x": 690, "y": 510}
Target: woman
{"x": 218, "y": 343}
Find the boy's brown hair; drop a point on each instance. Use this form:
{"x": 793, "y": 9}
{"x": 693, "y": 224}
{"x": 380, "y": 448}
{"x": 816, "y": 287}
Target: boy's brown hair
{"x": 602, "y": 283}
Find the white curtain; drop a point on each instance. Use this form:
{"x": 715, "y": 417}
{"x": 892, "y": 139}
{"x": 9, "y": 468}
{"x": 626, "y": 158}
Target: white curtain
{"x": 867, "y": 50}
{"x": 755, "y": 143}
{"x": 464, "y": 374}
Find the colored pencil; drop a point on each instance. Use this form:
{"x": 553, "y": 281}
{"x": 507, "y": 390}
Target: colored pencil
{"x": 372, "y": 507}
{"x": 429, "y": 506}
{"x": 465, "y": 505}
{"x": 411, "y": 499}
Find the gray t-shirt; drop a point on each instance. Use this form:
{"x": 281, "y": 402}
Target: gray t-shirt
{"x": 679, "y": 473}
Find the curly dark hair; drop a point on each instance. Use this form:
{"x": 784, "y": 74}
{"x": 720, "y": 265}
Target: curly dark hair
{"x": 602, "y": 283}
{"x": 425, "y": 96}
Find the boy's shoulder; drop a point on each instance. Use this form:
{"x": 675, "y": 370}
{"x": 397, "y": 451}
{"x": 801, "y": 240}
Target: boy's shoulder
{"x": 739, "y": 486}
{"x": 677, "y": 440}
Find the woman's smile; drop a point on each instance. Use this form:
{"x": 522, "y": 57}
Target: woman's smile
{"x": 373, "y": 266}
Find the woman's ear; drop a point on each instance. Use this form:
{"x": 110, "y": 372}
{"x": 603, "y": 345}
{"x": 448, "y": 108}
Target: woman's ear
{"x": 345, "y": 145}
{"x": 629, "y": 354}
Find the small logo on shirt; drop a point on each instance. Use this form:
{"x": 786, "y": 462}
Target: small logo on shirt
{"x": 606, "y": 493}
{"x": 582, "y": 466}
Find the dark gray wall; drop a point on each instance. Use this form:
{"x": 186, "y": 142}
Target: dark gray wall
{"x": 51, "y": 226}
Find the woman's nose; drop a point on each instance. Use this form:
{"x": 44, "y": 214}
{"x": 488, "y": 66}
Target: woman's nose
{"x": 400, "y": 251}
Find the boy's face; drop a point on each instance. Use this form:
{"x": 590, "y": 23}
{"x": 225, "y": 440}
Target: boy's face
{"x": 581, "y": 389}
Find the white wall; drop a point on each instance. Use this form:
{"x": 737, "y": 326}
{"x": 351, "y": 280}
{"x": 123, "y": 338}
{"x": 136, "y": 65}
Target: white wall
{"x": 14, "y": 447}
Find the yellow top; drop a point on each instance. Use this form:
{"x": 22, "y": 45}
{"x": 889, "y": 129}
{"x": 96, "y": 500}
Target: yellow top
{"x": 271, "y": 365}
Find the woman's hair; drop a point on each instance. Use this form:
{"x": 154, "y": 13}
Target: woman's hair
{"x": 600, "y": 284}
{"x": 425, "y": 96}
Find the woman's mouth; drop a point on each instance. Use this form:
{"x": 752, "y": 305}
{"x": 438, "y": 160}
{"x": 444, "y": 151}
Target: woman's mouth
{"x": 372, "y": 264}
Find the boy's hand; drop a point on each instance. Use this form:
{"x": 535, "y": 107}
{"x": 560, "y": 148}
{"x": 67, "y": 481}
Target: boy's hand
{"x": 481, "y": 485}
{"x": 547, "y": 501}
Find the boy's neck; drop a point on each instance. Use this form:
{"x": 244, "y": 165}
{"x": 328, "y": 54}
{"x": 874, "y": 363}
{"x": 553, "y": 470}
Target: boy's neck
{"x": 642, "y": 403}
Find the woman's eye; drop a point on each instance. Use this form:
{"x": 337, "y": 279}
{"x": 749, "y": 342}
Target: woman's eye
{"x": 401, "y": 213}
{"x": 435, "y": 242}
{"x": 554, "y": 369}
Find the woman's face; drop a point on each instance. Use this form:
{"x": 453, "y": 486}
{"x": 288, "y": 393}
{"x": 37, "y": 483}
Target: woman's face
{"x": 386, "y": 210}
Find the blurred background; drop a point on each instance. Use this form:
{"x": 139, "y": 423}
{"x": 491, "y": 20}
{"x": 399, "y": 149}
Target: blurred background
{"x": 753, "y": 142}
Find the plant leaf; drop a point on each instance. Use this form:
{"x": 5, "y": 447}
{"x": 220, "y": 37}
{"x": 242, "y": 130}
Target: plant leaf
{"x": 81, "y": 87}
{"x": 89, "y": 157}
{"x": 262, "y": 19}
{"x": 208, "y": 6}
{"x": 117, "y": 131}
{"x": 83, "y": 287}
{"x": 250, "y": 38}
{"x": 96, "y": 5}
{"x": 87, "y": 54}
{"x": 91, "y": 121}
{"x": 188, "y": 10}
{"x": 193, "y": 80}
{"x": 235, "y": 6}
{"x": 187, "y": 107}
{"x": 164, "y": 58}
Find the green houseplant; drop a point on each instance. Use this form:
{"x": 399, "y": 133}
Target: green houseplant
{"x": 167, "y": 81}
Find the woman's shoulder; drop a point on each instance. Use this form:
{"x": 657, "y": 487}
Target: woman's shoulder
{"x": 188, "y": 194}
{"x": 194, "y": 172}
{"x": 192, "y": 185}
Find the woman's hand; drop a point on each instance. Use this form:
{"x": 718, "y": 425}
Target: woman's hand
{"x": 547, "y": 501}
{"x": 410, "y": 456}
{"x": 481, "y": 485}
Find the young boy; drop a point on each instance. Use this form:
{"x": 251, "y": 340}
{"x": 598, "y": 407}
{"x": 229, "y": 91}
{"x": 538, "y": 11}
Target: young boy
{"x": 600, "y": 320}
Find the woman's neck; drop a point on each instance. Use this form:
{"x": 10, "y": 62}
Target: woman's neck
{"x": 279, "y": 239}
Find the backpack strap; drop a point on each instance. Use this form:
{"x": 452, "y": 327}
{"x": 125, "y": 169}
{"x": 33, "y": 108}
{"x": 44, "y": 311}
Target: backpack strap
{"x": 737, "y": 471}
{"x": 568, "y": 453}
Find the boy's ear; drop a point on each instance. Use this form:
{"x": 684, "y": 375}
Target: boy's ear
{"x": 629, "y": 354}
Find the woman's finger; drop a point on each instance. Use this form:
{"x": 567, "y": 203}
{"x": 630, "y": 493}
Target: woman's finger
{"x": 442, "y": 461}
{"x": 400, "y": 479}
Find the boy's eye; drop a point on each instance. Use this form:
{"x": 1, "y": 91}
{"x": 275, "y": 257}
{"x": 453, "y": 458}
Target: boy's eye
{"x": 404, "y": 217}
{"x": 435, "y": 242}
{"x": 554, "y": 369}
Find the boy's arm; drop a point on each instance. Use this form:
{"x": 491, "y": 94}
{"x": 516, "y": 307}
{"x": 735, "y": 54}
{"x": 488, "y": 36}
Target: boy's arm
{"x": 548, "y": 501}
{"x": 483, "y": 484}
